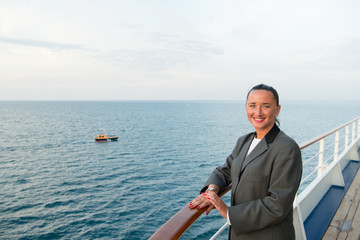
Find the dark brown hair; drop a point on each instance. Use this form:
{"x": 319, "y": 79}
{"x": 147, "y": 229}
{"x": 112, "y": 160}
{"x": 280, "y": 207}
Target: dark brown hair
{"x": 267, "y": 88}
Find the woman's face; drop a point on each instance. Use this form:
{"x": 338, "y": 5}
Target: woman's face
{"x": 262, "y": 110}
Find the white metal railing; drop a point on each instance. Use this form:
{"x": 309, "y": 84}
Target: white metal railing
{"x": 217, "y": 234}
{"x": 322, "y": 164}
{"x": 340, "y": 145}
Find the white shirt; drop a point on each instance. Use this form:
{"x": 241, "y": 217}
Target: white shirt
{"x": 253, "y": 144}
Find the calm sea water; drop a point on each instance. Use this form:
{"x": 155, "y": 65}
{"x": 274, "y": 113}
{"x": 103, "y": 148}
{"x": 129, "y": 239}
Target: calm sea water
{"x": 58, "y": 183}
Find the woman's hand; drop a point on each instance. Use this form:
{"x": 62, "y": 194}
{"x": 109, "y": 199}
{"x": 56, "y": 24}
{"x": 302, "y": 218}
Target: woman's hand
{"x": 217, "y": 202}
{"x": 200, "y": 202}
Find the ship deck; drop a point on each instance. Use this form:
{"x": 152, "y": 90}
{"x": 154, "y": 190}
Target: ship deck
{"x": 346, "y": 222}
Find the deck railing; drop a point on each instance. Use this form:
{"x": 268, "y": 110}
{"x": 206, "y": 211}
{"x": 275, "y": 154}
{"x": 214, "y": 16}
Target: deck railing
{"x": 183, "y": 219}
{"x": 345, "y": 139}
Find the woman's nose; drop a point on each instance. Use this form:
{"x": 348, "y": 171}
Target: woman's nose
{"x": 258, "y": 111}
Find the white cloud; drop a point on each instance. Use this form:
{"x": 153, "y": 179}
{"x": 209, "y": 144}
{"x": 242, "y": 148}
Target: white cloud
{"x": 42, "y": 44}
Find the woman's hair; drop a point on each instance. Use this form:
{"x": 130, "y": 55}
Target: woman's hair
{"x": 267, "y": 88}
{"x": 270, "y": 89}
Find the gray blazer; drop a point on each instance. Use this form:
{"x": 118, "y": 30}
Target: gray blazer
{"x": 264, "y": 185}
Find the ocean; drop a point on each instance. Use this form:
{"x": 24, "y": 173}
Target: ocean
{"x": 58, "y": 183}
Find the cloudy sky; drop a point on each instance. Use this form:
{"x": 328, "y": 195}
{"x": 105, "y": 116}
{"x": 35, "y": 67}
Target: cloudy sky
{"x": 173, "y": 50}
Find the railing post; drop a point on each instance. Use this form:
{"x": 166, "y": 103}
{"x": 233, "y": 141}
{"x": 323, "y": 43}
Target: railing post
{"x": 321, "y": 157}
{"x": 217, "y": 234}
{"x": 353, "y": 133}
{"x": 347, "y": 137}
{"x": 358, "y": 135}
{"x": 336, "y": 149}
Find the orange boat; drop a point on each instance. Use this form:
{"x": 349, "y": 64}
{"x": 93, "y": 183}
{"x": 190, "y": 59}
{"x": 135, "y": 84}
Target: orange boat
{"x": 105, "y": 138}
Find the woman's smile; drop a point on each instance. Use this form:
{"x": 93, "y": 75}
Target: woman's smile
{"x": 259, "y": 119}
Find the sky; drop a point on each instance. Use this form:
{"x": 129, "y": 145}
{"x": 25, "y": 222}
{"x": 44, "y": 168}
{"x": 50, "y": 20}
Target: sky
{"x": 178, "y": 50}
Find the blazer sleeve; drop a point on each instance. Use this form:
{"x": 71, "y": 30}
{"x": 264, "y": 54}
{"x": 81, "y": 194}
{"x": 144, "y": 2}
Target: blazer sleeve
{"x": 278, "y": 203}
{"x": 221, "y": 176}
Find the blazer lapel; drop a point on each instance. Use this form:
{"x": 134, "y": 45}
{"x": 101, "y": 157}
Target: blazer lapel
{"x": 242, "y": 156}
{"x": 258, "y": 150}
{"x": 238, "y": 163}
{"x": 262, "y": 146}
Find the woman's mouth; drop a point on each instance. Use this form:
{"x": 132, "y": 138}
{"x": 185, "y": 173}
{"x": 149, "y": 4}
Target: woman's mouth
{"x": 259, "y": 119}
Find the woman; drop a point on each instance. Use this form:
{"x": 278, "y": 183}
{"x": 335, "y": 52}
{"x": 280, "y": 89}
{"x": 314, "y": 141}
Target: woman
{"x": 264, "y": 169}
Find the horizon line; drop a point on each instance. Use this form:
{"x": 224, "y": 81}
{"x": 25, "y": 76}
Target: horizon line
{"x": 158, "y": 100}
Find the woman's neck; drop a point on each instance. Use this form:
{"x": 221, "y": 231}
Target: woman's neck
{"x": 260, "y": 135}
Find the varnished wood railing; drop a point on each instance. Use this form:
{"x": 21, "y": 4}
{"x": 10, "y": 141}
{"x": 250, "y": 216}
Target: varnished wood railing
{"x": 182, "y": 220}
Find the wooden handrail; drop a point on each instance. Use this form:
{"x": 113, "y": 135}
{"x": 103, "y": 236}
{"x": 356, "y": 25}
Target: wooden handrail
{"x": 182, "y": 220}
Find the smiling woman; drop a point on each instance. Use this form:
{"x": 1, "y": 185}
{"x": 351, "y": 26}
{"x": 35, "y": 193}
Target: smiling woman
{"x": 264, "y": 170}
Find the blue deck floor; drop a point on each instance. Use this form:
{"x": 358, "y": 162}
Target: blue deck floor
{"x": 318, "y": 221}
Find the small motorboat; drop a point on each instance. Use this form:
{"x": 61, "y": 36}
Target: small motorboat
{"x": 105, "y": 138}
